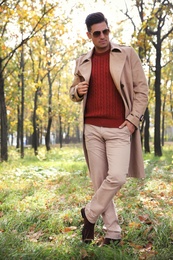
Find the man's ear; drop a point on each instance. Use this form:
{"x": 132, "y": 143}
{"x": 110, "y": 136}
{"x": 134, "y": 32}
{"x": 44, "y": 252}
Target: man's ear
{"x": 89, "y": 35}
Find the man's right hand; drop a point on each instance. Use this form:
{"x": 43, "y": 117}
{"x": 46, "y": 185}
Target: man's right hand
{"x": 82, "y": 88}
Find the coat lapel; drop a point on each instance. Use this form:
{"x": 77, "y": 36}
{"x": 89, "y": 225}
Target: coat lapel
{"x": 117, "y": 61}
{"x": 85, "y": 70}
{"x": 85, "y": 66}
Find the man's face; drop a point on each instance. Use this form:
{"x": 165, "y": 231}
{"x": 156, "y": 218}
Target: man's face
{"x": 99, "y": 35}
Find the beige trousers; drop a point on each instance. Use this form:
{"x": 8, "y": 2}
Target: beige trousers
{"x": 108, "y": 153}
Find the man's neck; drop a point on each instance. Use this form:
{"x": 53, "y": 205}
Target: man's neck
{"x": 102, "y": 50}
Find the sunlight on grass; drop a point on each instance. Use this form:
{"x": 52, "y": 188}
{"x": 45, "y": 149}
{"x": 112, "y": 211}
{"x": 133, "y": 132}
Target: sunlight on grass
{"x": 41, "y": 198}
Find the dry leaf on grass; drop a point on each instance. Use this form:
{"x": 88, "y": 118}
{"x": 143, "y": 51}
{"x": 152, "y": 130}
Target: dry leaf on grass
{"x": 34, "y": 236}
{"x": 136, "y": 246}
{"x": 68, "y": 229}
{"x": 145, "y": 219}
{"x": 134, "y": 225}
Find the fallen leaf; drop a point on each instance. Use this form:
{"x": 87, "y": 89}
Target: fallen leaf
{"x": 163, "y": 185}
{"x": 149, "y": 246}
{"x": 148, "y": 230}
{"x": 162, "y": 194}
{"x": 147, "y": 254}
{"x": 68, "y": 229}
{"x": 136, "y": 246}
{"x": 145, "y": 219}
{"x": 33, "y": 240}
{"x": 32, "y": 228}
{"x": 134, "y": 225}
{"x": 35, "y": 236}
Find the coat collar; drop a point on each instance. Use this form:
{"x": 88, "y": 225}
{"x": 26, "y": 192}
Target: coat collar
{"x": 114, "y": 48}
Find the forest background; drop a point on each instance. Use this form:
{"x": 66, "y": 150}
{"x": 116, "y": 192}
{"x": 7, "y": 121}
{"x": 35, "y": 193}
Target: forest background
{"x": 39, "y": 43}
{"x": 45, "y": 182}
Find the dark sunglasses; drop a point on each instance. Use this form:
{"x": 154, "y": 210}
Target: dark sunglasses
{"x": 98, "y": 33}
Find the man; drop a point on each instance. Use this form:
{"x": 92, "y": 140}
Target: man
{"x": 111, "y": 82}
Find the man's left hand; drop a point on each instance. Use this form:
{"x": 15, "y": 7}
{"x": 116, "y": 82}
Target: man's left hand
{"x": 130, "y": 126}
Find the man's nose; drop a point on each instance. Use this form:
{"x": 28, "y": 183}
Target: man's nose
{"x": 102, "y": 35}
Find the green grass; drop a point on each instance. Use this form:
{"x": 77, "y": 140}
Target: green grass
{"x": 41, "y": 198}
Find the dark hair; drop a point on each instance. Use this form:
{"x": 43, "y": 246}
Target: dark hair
{"x": 95, "y": 18}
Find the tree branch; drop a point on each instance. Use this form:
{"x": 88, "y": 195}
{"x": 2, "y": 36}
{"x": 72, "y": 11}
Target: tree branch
{"x": 34, "y": 31}
{"x": 166, "y": 63}
{"x": 2, "y": 2}
{"x": 167, "y": 34}
{"x": 129, "y": 17}
{"x": 5, "y": 25}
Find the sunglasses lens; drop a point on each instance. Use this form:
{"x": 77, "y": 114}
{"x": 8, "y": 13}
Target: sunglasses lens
{"x": 106, "y": 31}
{"x": 98, "y": 33}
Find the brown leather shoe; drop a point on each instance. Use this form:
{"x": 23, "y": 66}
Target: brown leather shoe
{"x": 109, "y": 241}
{"x": 88, "y": 229}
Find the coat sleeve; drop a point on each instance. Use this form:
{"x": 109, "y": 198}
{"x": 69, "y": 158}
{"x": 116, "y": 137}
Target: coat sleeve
{"x": 73, "y": 89}
{"x": 140, "y": 90}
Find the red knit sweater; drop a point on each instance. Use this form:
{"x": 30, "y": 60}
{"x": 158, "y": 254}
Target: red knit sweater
{"x": 104, "y": 106}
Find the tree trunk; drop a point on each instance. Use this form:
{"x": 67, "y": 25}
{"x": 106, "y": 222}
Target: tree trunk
{"x": 35, "y": 127}
{"x": 146, "y": 132}
{"x": 18, "y": 127}
{"x": 78, "y": 133}
{"x": 60, "y": 131}
{"x": 3, "y": 119}
{"x": 47, "y": 139}
{"x": 171, "y": 106}
{"x": 163, "y": 119}
{"x": 67, "y": 137}
{"x": 22, "y": 101}
{"x": 157, "y": 137}
{"x": 40, "y": 133}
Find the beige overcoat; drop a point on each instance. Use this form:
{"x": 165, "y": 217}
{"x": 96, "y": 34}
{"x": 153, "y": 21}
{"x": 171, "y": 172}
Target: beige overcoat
{"x": 129, "y": 78}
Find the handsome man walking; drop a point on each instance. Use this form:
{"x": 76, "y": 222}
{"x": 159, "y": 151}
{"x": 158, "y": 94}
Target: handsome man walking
{"x": 111, "y": 82}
